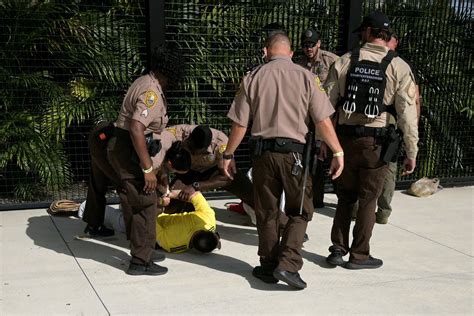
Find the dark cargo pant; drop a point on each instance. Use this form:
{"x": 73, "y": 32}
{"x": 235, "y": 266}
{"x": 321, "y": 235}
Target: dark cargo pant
{"x": 271, "y": 175}
{"x": 361, "y": 180}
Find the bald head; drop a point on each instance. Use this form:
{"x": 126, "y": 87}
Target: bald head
{"x": 278, "y": 43}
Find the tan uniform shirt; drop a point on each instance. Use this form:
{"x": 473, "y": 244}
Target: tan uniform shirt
{"x": 209, "y": 159}
{"x": 280, "y": 97}
{"x": 321, "y": 63}
{"x": 167, "y": 139}
{"x": 144, "y": 102}
{"x": 399, "y": 91}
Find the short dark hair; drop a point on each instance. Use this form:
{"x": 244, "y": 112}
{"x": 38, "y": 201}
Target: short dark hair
{"x": 381, "y": 33}
{"x": 179, "y": 157}
{"x": 167, "y": 59}
{"x": 201, "y": 137}
{"x": 205, "y": 241}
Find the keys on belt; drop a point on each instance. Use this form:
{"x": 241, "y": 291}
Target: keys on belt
{"x": 297, "y": 166}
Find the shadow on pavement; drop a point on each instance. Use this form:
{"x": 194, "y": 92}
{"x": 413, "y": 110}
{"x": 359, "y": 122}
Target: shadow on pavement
{"x": 227, "y": 264}
{"x": 94, "y": 249}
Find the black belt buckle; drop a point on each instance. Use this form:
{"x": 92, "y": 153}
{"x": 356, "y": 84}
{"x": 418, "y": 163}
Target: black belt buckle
{"x": 378, "y": 132}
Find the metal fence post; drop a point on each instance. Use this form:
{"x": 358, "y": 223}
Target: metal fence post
{"x": 352, "y": 16}
{"x": 155, "y": 26}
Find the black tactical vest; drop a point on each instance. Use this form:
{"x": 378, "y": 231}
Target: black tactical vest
{"x": 365, "y": 85}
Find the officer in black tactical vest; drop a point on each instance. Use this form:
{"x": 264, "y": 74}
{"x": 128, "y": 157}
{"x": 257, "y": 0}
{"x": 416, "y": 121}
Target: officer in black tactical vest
{"x": 369, "y": 86}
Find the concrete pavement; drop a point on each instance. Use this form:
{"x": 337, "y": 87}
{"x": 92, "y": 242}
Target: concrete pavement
{"x": 427, "y": 249}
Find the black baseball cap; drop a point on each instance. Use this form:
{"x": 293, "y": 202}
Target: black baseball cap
{"x": 310, "y": 35}
{"x": 375, "y": 20}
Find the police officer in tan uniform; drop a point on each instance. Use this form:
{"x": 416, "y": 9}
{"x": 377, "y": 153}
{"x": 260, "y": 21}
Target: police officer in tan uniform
{"x": 315, "y": 59}
{"x": 368, "y": 86}
{"x": 384, "y": 208}
{"x": 143, "y": 111}
{"x": 318, "y": 62}
{"x": 280, "y": 98}
{"x": 207, "y": 146}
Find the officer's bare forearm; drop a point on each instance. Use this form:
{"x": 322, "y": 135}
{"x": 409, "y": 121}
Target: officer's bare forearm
{"x": 137, "y": 134}
{"x": 215, "y": 182}
{"x": 237, "y": 133}
{"x": 326, "y": 130}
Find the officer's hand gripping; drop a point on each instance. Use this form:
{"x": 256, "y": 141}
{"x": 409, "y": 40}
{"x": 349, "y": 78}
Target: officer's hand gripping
{"x": 186, "y": 193}
{"x": 408, "y": 166}
{"x": 337, "y": 165}
{"x": 150, "y": 182}
{"x": 229, "y": 168}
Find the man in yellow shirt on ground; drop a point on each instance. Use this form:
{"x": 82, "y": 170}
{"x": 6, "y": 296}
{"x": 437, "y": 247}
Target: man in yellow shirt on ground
{"x": 179, "y": 232}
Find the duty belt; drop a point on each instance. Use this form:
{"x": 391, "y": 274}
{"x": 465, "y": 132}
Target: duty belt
{"x": 282, "y": 145}
{"x": 121, "y": 133}
{"x": 124, "y": 134}
{"x": 361, "y": 131}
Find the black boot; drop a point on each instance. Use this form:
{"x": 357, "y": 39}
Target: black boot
{"x": 264, "y": 274}
{"x": 335, "y": 258}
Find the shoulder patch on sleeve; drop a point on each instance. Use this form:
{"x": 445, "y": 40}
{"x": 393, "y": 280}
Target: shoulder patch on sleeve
{"x": 150, "y": 99}
{"x": 222, "y": 148}
{"x": 172, "y": 130}
{"x": 317, "y": 81}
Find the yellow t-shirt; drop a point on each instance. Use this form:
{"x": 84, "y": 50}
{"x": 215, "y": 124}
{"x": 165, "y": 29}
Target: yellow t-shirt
{"x": 174, "y": 231}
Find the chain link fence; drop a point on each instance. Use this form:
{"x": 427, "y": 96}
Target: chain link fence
{"x": 66, "y": 65}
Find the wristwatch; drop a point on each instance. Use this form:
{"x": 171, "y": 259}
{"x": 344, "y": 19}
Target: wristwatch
{"x": 228, "y": 157}
{"x": 196, "y": 186}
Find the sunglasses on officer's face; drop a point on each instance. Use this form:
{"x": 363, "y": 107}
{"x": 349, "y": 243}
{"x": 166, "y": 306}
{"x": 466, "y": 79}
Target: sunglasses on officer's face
{"x": 309, "y": 45}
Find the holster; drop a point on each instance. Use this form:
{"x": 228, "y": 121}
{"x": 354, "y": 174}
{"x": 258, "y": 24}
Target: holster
{"x": 256, "y": 146}
{"x": 153, "y": 147}
{"x": 391, "y": 145}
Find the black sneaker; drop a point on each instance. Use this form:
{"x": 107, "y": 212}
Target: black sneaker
{"x": 291, "y": 278}
{"x": 148, "y": 269}
{"x": 335, "y": 258}
{"x": 266, "y": 275}
{"x": 100, "y": 231}
{"x": 157, "y": 257}
{"x": 371, "y": 263}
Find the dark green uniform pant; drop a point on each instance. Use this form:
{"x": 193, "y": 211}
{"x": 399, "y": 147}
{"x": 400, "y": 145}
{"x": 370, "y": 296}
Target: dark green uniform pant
{"x": 271, "y": 175}
{"x": 361, "y": 180}
{"x": 384, "y": 208}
